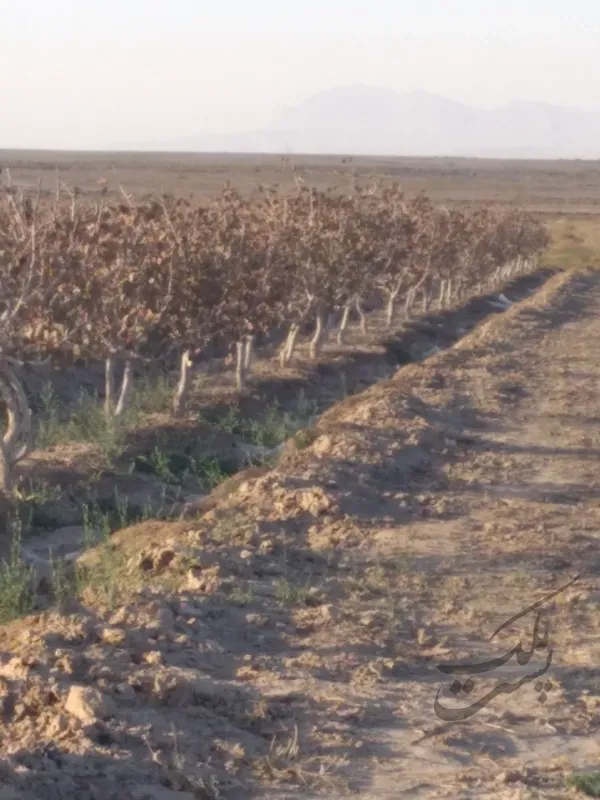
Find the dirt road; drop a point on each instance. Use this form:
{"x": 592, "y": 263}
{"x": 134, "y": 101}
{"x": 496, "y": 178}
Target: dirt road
{"x": 286, "y": 643}
{"x": 515, "y": 405}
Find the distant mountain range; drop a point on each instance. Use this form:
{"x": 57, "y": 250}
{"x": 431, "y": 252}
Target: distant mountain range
{"x": 362, "y": 120}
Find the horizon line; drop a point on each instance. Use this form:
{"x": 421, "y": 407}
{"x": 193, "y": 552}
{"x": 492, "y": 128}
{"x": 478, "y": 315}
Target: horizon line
{"x": 278, "y": 154}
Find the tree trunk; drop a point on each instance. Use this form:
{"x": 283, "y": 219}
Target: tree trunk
{"x": 109, "y": 386}
{"x": 126, "y": 390}
{"x": 287, "y": 351}
{"x": 318, "y": 339}
{"x": 248, "y": 353}
{"x": 180, "y": 397}
{"x": 344, "y": 323}
{"x": 390, "y": 309}
{"x": 240, "y": 371}
{"x": 427, "y": 297}
{"x": 445, "y": 293}
{"x": 361, "y": 314}
{"x": 5, "y": 471}
{"x": 442, "y": 294}
{"x": 16, "y": 441}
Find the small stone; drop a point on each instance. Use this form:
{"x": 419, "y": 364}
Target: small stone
{"x": 368, "y": 619}
{"x": 315, "y": 501}
{"x": 195, "y": 581}
{"x": 258, "y": 620}
{"x": 87, "y": 704}
{"x": 121, "y": 616}
{"x": 322, "y": 445}
{"x": 112, "y": 635}
{"x": 153, "y": 657}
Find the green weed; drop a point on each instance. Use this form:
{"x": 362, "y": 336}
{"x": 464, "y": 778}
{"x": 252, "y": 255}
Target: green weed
{"x": 588, "y": 784}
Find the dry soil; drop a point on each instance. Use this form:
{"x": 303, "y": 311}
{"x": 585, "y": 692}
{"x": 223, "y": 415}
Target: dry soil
{"x": 285, "y": 643}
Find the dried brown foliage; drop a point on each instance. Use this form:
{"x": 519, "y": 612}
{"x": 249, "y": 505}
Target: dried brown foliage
{"x": 167, "y": 276}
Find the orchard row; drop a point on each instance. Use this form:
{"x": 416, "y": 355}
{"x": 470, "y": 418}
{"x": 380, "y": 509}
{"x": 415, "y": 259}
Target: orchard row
{"x": 168, "y": 278}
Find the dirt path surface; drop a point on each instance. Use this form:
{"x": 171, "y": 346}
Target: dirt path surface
{"x": 285, "y": 643}
{"x": 515, "y": 404}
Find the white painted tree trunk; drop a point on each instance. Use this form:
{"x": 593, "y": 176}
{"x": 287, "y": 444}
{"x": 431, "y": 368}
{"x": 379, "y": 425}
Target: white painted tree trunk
{"x": 126, "y": 390}
{"x": 442, "y": 294}
{"x": 344, "y": 323}
{"x": 109, "y": 386}
{"x": 322, "y": 329}
{"x": 181, "y": 392}
{"x": 240, "y": 366}
{"x": 361, "y": 314}
{"x": 444, "y": 300}
{"x": 410, "y": 299}
{"x": 287, "y": 352}
{"x": 390, "y": 310}
{"x": 248, "y": 353}
{"x": 111, "y": 410}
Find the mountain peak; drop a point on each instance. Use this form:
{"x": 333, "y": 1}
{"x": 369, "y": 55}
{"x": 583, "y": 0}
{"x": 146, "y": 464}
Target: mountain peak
{"x": 362, "y": 108}
{"x": 376, "y": 120}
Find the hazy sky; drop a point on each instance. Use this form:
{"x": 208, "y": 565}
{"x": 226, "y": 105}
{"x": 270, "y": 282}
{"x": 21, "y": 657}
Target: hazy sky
{"x": 92, "y": 73}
